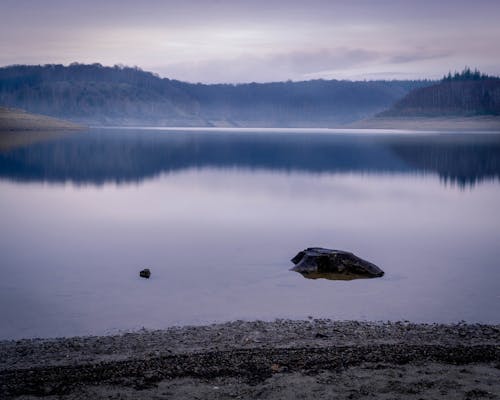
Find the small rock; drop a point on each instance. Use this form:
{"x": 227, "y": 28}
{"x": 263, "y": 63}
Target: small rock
{"x": 145, "y": 273}
{"x": 275, "y": 368}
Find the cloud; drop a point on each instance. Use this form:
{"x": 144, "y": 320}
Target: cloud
{"x": 419, "y": 55}
{"x": 258, "y": 40}
{"x": 296, "y": 65}
{"x": 303, "y": 64}
{"x": 307, "y": 61}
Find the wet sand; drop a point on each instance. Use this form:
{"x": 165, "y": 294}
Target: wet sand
{"x": 271, "y": 360}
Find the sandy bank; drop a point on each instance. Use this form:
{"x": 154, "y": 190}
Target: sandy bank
{"x": 313, "y": 359}
{"x": 19, "y": 128}
{"x": 18, "y": 120}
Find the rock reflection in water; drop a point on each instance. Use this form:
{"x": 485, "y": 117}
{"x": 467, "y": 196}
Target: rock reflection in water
{"x": 333, "y": 276}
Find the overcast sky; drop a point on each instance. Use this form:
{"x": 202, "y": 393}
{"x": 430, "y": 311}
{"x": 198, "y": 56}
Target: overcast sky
{"x": 257, "y": 40}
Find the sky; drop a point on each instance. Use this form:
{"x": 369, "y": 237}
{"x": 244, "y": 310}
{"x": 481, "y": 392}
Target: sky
{"x": 257, "y": 40}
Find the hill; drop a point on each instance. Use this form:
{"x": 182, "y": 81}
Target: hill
{"x": 98, "y": 95}
{"x": 462, "y": 95}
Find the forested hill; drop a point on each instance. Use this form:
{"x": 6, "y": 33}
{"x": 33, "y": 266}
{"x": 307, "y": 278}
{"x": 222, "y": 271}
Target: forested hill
{"x": 462, "y": 94}
{"x": 94, "y": 94}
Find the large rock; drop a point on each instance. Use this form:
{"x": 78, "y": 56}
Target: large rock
{"x": 316, "y": 262}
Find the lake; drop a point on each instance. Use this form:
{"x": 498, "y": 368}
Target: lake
{"x": 218, "y": 214}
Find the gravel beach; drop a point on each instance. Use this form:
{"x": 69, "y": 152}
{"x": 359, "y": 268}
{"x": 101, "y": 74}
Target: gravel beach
{"x": 266, "y": 360}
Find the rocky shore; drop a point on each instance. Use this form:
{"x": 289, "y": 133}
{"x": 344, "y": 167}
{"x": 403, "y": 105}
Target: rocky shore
{"x": 281, "y": 359}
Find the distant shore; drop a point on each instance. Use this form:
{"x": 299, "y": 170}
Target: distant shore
{"x": 461, "y": 124}
{"x": 281, "y": 359}
{"x": 15, "y": 121}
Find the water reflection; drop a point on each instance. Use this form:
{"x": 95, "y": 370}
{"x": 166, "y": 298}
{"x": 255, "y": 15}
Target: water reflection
{"x": 332, "y": 276}
{"x": 218, "y": 233}
{"x": 97, "y": 157}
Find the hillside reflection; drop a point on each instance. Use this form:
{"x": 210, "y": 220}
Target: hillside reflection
{"x": 97, "y": 157}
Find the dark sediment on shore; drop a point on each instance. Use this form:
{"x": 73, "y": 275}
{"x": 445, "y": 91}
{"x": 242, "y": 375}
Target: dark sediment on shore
{"x": 258, "y": 359}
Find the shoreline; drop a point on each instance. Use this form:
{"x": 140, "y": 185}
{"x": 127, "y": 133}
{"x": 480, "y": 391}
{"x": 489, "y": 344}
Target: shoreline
{"x": 245, "y": 357}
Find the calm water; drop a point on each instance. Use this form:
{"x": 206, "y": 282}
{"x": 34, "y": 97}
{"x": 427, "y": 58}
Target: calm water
{"x": 218, "y": 215}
